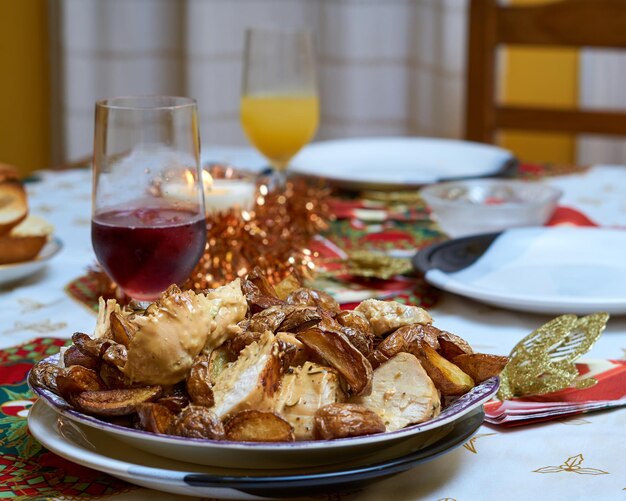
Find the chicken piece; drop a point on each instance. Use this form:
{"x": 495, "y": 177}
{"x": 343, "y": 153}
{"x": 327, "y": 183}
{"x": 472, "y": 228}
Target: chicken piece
{"x": 402, "y": 393}
{"x": 252, "y": 381}
{"x": 303, "y": 391}
{"x": 169, "y": 336}
{"x": 386, "y": 316}
{"x": 232, "y": 308}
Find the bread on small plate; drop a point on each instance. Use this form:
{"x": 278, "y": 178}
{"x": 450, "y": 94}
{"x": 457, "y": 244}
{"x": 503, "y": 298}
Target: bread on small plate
{"x": 24, "y": 241}
{"x": 13, "y": 203}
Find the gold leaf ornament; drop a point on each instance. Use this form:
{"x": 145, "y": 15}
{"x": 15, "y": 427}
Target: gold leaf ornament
{"x": 543, "y": 362}
{"x": 572, "y": 465}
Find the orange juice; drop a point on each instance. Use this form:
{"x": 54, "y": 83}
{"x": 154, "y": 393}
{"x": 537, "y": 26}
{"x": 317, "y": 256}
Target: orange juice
{"x": 279, "y": 125}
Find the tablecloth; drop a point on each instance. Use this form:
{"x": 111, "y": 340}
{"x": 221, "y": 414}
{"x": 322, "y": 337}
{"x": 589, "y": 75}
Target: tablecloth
{"x": 576, "y": 458}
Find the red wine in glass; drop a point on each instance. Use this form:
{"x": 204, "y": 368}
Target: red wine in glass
{"x": 145, "y": 250}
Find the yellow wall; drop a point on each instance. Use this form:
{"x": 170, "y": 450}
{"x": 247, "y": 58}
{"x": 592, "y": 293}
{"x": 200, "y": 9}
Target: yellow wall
{"x": 24, "y": 84}
{"x": 540, "y": 77}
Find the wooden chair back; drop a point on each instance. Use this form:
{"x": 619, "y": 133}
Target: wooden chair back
{"x": 568, "y": 23}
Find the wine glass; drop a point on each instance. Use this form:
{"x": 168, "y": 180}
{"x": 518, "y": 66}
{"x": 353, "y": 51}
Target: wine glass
{"x": 148, "y": 226}
{"x": 279, "y": 102}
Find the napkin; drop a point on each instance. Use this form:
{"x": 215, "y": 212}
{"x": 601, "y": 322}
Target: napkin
{"x": 610, "y": 391}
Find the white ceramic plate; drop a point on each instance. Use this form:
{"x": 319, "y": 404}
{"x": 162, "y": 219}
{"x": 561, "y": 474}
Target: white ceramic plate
{"x": 281, "y": 455}
{"x": 97, "y": 450}
{"x": 542, "y": 270}
{"x": 398, "y": 162}
{"x": 16, "y": 271}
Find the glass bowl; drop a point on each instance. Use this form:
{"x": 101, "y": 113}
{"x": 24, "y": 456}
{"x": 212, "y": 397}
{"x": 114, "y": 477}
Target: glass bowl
{"x": 487, "y": 205}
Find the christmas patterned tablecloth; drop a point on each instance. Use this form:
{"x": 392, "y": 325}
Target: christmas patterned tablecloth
{"x": 576, "y": 458}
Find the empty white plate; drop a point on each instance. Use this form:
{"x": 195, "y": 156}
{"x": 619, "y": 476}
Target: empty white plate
{"x": 398, "y": 162}
{"x": 543, "y": 270}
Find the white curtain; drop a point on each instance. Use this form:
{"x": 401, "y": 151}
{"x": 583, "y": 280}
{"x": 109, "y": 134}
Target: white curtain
{"x": 386, "y": 67}
{"x": 602, "y": 77}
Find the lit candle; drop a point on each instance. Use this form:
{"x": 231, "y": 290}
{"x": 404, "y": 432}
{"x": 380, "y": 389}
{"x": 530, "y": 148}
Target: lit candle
{"x": 224, "y": 194}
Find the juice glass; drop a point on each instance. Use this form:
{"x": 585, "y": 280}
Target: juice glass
{"x": 279, "y": 102}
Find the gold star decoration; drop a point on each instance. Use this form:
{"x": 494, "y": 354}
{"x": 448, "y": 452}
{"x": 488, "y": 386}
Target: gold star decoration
{"x": 470, "y": 445}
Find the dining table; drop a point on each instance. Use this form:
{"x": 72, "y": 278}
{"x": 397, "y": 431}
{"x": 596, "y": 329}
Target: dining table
{"x": 579, "y": 456}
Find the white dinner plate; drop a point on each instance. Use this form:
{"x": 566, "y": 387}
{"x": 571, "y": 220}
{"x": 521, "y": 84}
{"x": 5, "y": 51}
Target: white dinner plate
{"x": 259, "y": 455}
{"x": 543, "y": 270}
{"x": 398, "y": 162}
{"x": 97, "y": 450}
{"x": 16, "y": 271}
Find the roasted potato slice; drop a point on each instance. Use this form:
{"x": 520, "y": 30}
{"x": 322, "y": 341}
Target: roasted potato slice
{"x": 313, "y": 297}
{"x": 115, "y": 402}
{"x": 256, "y": 299}
{"x": 451, "y": 345}
{"x": 299, "y": 318}
{"x": 286, "y": 286}
{"x": 197, "y": 422}
{"x": 480, "y": 366}
{"x": 268, "y": 319}
{"x": 257, "y": 277}
{"x": 44, "y": 376}
{"x": 258, "y": 426}
{"x": 448, "y": 378}
{"x": 357, "y": 330}
{"x": 155, "y": 418}
{"x": 121, "y": 330}
{"x": 198, "y": 382}
{"x": 77, "y": 379}
{"x": 113, "y": 377}
{"x": 116, "y": 355}
{"x": 89, "y": 345}
{"x": 342, "y": 420}
{"x": 340, "y": 354}
{"x": 296, "y": 353}
{"x": 174, "y": 398}
{"x": 73, "y": 356}
{"x": 401, "y": 340}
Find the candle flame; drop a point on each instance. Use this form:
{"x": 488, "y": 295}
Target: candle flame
{"x": 189, "y": 178}
{"x": 207, "y": 181}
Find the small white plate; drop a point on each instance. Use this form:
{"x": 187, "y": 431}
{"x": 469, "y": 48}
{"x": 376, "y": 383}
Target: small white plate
{"x": 398, "y": 162}
{"x": 264, "y": 455}
{"x": 16, "y": 271}
{"x": 97, "y": 450}
{"x": 542, "y": 270}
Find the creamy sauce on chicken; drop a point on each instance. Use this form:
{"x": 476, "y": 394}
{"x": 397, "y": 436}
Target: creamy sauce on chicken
{"x": 169, "y": 338}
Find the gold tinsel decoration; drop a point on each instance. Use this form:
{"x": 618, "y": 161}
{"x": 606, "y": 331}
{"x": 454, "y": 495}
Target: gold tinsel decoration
{"x": 544, "y": 361}
{"x": 274, "y": 235}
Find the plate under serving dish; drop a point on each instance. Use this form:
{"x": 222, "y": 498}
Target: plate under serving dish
{"x": 92, "y": 448}
{"x": 257, "y": 455}
{"x": 16, "y": 271}
{"x": 395, "y": 163}
{"x": 543, "y": 270}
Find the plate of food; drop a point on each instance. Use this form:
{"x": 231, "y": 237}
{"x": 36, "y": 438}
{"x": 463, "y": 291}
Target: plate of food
{"x": 254, "y": 376}
{"x": 26, "y": 241}
{"x": 99, "y": 451}
{"x": 554, "y": 270}
{"x": 392, "y": 163}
